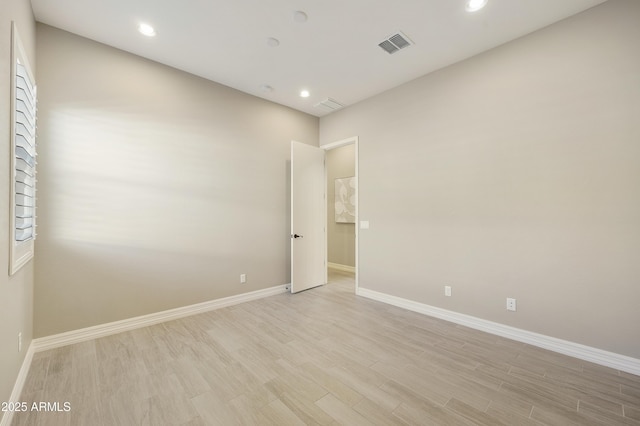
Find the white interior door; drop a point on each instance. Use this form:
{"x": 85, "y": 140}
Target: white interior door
{"x": 308, "y": 217}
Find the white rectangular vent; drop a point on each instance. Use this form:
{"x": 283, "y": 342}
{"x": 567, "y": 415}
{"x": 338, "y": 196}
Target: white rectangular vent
{"x": 395, "y": 42}
{"x": 329, "y": 104}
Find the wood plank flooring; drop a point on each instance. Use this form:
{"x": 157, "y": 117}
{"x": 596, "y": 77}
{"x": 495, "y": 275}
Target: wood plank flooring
{"x": 321, "y": 357}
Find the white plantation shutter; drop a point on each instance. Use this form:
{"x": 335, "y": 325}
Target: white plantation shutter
{"x": 23, "y": 158}
{"x": 25, "y": 155}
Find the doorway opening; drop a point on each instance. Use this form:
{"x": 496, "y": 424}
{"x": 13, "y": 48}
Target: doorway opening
{"x": 341, "y": 172}
{"x": 309, "y": 266}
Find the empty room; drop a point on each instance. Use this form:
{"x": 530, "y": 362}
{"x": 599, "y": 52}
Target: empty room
{"x": 423, "y": 212}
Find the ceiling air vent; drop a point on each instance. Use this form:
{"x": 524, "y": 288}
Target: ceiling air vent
{"x": 395, "y": 42}
{"x": 329, "y": 104}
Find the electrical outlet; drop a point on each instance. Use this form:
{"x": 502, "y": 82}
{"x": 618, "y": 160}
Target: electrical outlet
{"x": 511, "y": 304}
{"x": 447, "y": 290}
{"x": 243, "y": 278}
{"x": 20, "y": 342}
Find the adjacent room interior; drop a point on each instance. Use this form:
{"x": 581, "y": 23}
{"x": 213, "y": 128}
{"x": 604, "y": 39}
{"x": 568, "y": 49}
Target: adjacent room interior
{"x": 481, "y": 230}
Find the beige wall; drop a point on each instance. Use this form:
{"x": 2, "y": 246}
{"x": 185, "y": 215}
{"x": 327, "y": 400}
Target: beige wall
{"x": 16, "y": 292}
{"x": 513, "y": 174}
{"x": 341, "y": 237}
{"x": 157, "y": 188}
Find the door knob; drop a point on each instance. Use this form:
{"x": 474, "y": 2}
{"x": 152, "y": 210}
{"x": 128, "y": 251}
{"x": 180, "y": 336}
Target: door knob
{"x": 296, "y": 236}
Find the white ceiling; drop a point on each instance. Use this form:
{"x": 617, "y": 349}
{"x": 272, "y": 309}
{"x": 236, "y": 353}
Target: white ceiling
{"x": 334, "y": 54}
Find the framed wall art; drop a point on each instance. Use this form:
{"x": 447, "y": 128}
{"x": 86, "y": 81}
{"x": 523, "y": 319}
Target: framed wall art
{"x": 345, "y": 203}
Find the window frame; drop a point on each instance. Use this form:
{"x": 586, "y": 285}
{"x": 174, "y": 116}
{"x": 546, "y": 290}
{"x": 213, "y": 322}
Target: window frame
{"x": 20, "y": 252}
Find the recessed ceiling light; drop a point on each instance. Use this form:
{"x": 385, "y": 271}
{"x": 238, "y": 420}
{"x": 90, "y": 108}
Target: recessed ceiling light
{"x": 304, "y": 94}
{"x": 273, "y": 42}
{"x": 146, "y": 29}
{"x": 300, "y": 17}
{"x": 475, "y": 5}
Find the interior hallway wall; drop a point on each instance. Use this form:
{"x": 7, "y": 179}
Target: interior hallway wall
{"x": 157, "y": 188}
{"x": 512, "y": 174}
{"x": 341, "y": 237}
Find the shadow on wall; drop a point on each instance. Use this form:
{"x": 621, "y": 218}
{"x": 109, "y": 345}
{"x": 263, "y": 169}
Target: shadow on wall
{"x": 138, "y": 216}
{"x": 146, "y": 186}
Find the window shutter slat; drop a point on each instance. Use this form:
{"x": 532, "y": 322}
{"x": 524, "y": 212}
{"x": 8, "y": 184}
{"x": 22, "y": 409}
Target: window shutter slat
{"x": 23, "y": 212}
{"x": 24, "y": 234}
{"x": 24, "y": 178}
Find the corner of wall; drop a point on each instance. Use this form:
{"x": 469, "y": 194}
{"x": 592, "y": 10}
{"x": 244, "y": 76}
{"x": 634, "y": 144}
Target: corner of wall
{"x": 16, "y": 292}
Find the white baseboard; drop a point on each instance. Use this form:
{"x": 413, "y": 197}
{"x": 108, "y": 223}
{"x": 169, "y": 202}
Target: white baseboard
{"x": 339, "y": 267}
{"x": 576, "y": 350}
{"x": 102, "y": 330}
{"x": 19, "y": 385}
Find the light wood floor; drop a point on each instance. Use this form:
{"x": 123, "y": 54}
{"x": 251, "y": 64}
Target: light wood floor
{"x": 322, "y": 357}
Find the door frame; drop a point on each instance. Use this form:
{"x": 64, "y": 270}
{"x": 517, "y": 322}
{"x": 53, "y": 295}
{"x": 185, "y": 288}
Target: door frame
{"x": 353, "y": 140}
